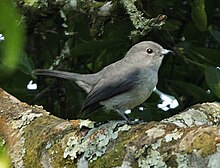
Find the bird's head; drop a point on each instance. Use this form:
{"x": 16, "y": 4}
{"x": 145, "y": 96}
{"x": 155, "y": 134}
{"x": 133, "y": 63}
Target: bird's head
{"x": 147, "y": 52}
{"x": 149, "y": 49}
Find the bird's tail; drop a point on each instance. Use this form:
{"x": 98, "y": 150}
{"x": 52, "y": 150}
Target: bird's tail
{"x": 84, "y": 81}
{"x": 58, "y": 74}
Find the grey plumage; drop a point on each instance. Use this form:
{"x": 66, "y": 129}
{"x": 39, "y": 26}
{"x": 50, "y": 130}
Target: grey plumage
{"x": 123, "y": 84}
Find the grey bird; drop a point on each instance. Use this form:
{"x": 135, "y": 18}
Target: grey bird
{"x": 122, "y": 85}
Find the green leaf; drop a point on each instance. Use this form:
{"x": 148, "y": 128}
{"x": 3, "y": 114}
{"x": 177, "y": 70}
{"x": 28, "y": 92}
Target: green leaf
{"x": 26, "y": 65}
{"x": 212, "y": 76}
{"x": 206, "y": 55}
{"x": 198, "y": 14}
{"x": 172, "y": 25}
{"x": 216, "y": 35}
{"x": 197, "y": 92}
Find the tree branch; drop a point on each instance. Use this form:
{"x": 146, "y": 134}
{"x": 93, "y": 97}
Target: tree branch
{"x": 33, "y": 137}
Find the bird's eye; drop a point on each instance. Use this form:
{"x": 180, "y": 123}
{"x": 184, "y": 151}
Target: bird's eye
{"x": 149, "y": 50}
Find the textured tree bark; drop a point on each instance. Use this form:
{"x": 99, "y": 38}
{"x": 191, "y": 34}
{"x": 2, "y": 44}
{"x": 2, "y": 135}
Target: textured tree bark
{"x": 34, "y": 138}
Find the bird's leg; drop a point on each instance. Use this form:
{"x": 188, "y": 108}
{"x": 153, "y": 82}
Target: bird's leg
{"x": 124, "y": 116}
{"x": 127, "y": 119}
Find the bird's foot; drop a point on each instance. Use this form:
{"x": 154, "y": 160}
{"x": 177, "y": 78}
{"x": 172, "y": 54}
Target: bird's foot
{"x": 134, "y": 122}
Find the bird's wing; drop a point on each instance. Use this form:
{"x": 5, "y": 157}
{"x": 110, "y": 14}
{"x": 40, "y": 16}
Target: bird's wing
{"x": 109, "y": 86}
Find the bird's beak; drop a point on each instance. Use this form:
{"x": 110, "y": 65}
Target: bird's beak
{"x": 165, "y": 51}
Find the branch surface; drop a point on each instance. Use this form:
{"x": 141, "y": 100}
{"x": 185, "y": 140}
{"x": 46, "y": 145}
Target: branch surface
{"x": 33, "y": 137}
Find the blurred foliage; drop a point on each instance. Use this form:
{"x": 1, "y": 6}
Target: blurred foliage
{"x": 12, "y": 29}
{"x": 78, "y": 36}
{"x": 4, "y": 159}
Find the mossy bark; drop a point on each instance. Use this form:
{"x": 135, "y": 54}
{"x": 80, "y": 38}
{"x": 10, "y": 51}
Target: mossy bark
{"x": 33, "y": 137}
